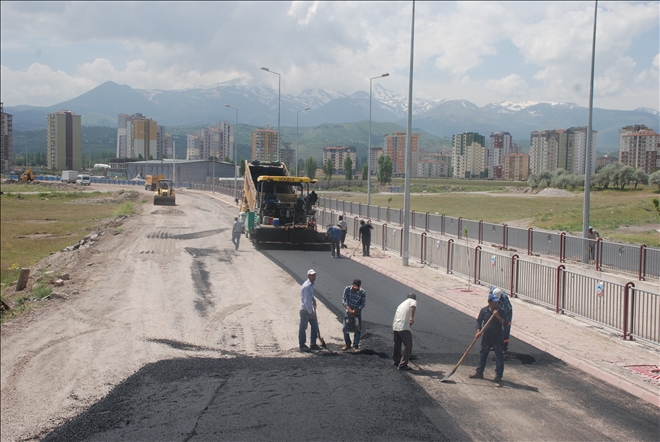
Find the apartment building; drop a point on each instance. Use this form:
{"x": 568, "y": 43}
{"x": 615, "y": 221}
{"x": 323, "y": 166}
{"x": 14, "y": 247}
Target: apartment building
{"x": 499, "y": 145}
{"x": 515, "y": 167}
{"x": 469, "y": 155}
{"x": 193, "y": 147}
{"x": 6, "y": 140}
{"x": 395, "y": 148}
{"x": 543, "y": 151}
{"x": 433, "y": 164}
{"x": 373, "y": 159}
{"x": 137, "y": 137}
{"x": 338, "y": 154}
{"x": 63, "y": 141}
{"x": 605, "y": 160}
{"x": 571, "y": 150}
{"x": 264, "y": 144}
{"x": 639, "y": 147}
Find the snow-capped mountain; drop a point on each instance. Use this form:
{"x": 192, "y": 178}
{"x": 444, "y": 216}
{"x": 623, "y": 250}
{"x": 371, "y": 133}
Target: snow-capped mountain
{"x": 259, "y": 106}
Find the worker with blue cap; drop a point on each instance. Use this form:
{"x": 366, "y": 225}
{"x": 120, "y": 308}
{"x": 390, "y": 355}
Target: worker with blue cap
{"x": 491, "y": 332}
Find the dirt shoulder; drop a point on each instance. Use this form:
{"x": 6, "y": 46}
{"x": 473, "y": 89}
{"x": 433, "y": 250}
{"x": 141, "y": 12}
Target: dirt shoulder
{"x": 165, "y": 283}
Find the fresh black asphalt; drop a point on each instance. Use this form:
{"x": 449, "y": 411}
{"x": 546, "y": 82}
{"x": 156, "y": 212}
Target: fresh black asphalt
{"x": 349, "y": 397}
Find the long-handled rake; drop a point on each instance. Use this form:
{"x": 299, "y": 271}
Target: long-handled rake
{"x": 358, "y": 245}
{"x": 468, "y": 350}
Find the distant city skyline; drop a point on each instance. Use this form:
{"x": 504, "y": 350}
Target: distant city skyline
{"x": 481, "y": 52}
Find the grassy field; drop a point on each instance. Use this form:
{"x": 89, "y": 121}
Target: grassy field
{"x": 619, "y": 215}
{"x": 35, "y": 225}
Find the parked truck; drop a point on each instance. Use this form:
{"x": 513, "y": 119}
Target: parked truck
{"x": 151, "y": 181}
{"x": 278, "y": 208}
{"x": 69, "y": 176}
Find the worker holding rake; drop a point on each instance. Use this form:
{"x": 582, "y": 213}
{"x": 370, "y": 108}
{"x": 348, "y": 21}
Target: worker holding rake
{"x": 491, "y": 337}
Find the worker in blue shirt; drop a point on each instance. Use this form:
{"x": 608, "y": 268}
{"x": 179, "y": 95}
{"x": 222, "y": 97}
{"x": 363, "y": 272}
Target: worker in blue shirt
{"x": 505, "y": 304}
{"x": 491, "y": 337}
{"x": 334, "y": 232}
{"x": 353, "y": 300}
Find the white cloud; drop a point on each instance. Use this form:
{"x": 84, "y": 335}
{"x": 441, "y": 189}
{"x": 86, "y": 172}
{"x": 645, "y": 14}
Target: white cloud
{"x": 335, "y": 46}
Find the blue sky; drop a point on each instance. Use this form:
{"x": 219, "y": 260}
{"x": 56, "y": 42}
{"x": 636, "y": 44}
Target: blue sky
{"x": 477, "y": 51}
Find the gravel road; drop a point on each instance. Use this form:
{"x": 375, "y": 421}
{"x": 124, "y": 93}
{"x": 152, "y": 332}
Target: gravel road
{"x": 165, "y": 332}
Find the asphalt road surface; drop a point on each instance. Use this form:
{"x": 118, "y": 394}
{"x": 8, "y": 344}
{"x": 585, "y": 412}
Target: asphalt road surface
{"x": 218, "y": 360}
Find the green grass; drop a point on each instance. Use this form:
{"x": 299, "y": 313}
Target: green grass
{"x": 125, "y": 209}
{"x": 35, "y": 225}
{"x": 41, "y": 291}
{"x": 609, "y": 210}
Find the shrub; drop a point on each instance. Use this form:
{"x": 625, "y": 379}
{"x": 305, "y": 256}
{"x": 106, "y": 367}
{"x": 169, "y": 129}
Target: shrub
{"x": 41, "y": 291}
{"x": 125, "y": 208}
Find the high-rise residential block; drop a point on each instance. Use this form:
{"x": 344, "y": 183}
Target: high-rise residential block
{"x": 395, "y": 148}
{"x": 264, "y": 144}
{"x": 639, "y": 147}
{"x": 63, "y": 141}
{"x": 338, "y": 154}
{"x": 543, "y": 151}
{"x": 137, "y": 137}
{"x": 6, "y": 140}
{"x": 515, "y": 167}
{"x": 499, "y": 144}
{"x": 571, "y": 150}
{"x": 193, "y": 147}
{"x": 469, "y": 155}
{"x": 373, "y": 158}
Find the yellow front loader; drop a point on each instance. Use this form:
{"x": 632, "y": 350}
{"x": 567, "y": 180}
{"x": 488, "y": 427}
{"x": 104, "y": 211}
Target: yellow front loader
{"x": 164, "y": 193}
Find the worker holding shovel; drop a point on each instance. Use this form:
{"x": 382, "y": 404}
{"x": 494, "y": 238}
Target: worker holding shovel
{"x": 491, "y": 337}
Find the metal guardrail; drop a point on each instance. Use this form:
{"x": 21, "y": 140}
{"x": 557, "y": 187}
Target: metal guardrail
{"x": 632, "y": 312}
{"x": 642, "y": 261}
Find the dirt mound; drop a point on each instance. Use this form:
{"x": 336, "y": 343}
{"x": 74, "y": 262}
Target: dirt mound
{"x": 551, "y": 191}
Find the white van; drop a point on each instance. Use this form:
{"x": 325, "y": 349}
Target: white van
{"x": 84, "y": 180}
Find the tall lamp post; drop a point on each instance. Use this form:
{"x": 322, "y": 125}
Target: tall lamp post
{"x": 408, "y": 159}
{"x": 297, "y": 114}
{"x": 279, "y": 98}
{"x": 235, "y": 156}
{"x": 369, "y": 148}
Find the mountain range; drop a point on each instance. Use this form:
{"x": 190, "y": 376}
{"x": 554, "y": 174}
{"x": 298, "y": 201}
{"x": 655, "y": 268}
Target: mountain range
{"x": 259, "y": 106}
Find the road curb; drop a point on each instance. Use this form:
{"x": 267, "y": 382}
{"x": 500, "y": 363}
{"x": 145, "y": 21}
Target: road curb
{"x": 650, "y": 396}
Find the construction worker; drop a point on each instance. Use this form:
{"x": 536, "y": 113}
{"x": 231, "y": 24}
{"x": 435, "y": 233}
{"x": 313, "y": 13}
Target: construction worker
{"x": 236, "y": 230}
{"x": 334, "y": 233}
{"x": 491, "y": 337}
{"x": 505, "y": 304}
{"x": 353, "y": 300}
{"x": 344, "y": 229}
{"x": 365, "y": 237}
{"x": 307, "y": 315}
{"x": 404, "y": 318}
{"x": 593, "y": 235}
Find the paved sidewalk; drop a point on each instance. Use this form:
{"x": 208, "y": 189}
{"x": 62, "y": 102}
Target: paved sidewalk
{"x": 587, "y": 346}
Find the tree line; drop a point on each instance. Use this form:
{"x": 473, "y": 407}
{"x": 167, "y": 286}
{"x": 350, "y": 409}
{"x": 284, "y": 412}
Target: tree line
{"x": 614, "y": 175}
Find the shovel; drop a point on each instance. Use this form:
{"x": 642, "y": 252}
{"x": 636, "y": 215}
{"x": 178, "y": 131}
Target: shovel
{"x": 323, "y": 344}
{"x": 468, "y": 350}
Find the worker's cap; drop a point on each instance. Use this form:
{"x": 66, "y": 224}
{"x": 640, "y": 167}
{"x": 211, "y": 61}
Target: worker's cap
{"x": 591, "y": 228}
{"x": 357, "y": 283}
{"x": 493, "y": 297}
{"x": 311, "y": 272}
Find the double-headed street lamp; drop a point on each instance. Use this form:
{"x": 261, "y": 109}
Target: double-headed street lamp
{"x": 297, "y": 114}
{"x": 235, "y": 156}
{"x": 369, "y": 148}
{"x": 279, "y": 98}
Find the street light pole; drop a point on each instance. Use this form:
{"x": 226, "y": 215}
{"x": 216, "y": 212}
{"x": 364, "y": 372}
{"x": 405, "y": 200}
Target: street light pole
{"x": 369, "y": 144}
{"x": 279, "y": 98}
{"x": 408, "y": 159}
{"x": 297, "y": 114}
{"x": 235, "y": 156}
